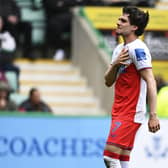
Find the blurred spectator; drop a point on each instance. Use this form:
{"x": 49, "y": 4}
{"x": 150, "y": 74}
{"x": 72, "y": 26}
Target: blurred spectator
{"x": 18, "y": 28}
{"x": 7, "y": 48}
{"x": 58, "y": 24}
{"x": 34, "y": 103}
{"x": 160, "y": 82}
{"x": 5, "y": 103}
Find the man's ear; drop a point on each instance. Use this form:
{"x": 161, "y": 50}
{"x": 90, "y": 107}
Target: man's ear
{"x": 135, "y": 27}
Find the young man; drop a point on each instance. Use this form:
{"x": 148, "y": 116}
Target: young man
{"x": 131, "y": 70}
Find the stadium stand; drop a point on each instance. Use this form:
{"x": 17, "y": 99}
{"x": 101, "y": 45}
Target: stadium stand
{"x": 91, "y": 53}
{"x": 61, "y": 85}
{"x": 12, "y": 80}
{"x": 32, "y": 11}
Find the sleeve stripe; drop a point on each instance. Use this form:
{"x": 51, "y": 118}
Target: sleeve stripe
{"x": 144, "y": 68}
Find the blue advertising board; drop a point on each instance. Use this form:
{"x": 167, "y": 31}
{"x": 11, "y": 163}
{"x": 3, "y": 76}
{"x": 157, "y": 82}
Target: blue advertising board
{"x": 30, "y": 142}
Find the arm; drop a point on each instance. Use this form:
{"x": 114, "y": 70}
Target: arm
{"x": 111, "y": 73}
{"x": 153, "y": 122}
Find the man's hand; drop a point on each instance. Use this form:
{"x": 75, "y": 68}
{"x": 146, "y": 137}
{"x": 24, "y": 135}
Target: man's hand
{"x": 123, "y": 57}
{"x": 153, "y": 124}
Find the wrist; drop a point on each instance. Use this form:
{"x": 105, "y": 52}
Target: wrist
{"x": 115, "y": 65}
{"x": 152, "y": 115}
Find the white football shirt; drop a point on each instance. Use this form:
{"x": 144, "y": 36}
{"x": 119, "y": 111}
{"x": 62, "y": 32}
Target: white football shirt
{"x": 130, "y": 88}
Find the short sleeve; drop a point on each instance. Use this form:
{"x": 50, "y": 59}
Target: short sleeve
{"x": 142, "y": 58}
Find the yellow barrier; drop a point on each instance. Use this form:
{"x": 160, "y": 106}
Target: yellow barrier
{"x": 106, "y": 17}
{"x": 161, "y": 68}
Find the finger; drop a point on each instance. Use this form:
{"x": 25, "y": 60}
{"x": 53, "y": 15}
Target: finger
{"x": 125, "y": 53}
{"x": 150, "y": 129}
{"x": 124, "y": 63}
{"x": 124, "y": 59}
{"x": 158, "y": 127}
{"x": 154, "y": 129}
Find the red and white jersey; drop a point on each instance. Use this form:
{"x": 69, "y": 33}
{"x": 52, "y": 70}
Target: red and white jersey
{"x": 130, "y": 88}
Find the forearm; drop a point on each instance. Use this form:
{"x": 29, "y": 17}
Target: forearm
{"x": 153, "y": 123}
{"x": 152, "y": 98}
{"x": 148, "y": 76}
{"x": 111, "y": 74}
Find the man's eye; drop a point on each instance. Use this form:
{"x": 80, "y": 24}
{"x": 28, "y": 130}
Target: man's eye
{"x": 123, "y": 20}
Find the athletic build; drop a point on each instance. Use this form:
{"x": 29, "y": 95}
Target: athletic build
{"x": 131, "y": 71}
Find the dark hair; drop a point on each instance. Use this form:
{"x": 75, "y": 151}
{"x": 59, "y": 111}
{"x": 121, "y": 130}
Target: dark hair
{"x": 137, "y": 17}
{"x": 32, "y": 90}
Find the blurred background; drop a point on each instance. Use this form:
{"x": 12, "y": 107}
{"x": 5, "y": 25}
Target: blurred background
{"x": 54, "y": 107}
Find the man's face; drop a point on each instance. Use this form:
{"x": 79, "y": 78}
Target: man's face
{"x": 123, "y": 26}
{"x": 35, "y": 98}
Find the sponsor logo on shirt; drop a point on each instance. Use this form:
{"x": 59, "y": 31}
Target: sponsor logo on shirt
{"x": 140, "y": 54}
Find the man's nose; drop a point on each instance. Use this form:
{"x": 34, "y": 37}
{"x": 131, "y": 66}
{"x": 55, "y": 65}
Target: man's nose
{"x": 118, "y": 23}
